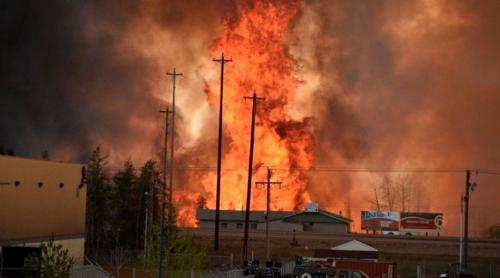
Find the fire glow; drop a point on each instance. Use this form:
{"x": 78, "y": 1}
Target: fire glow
{"x": 256, "y": 42}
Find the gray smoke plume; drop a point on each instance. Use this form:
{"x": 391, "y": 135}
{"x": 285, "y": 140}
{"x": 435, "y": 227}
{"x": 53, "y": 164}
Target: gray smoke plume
{"x": 406, "y": 84}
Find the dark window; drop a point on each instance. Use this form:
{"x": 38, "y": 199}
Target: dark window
{"x": 239, "y": 225}
{"x": 224, "y": 225}
{"x": 253, "y": 226}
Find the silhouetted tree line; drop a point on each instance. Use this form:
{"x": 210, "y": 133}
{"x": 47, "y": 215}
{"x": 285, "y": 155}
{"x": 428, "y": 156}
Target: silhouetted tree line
{"x": 117, "y": 204}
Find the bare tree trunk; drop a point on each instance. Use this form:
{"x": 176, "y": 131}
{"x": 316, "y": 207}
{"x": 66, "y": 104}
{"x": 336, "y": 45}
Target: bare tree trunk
{"x": 388, "y": 192}
{"x": 418, "y": 199}
{"x": 404, "y": 185}
{"x": 376, "y": 198}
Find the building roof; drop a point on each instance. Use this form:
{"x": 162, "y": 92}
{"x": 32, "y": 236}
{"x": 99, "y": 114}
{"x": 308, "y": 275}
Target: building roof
{"x": 22, "y": 158}
{"x": 354, "y": 245}
{"x": 239, "y": 215}
{"x": 320, "y": 216}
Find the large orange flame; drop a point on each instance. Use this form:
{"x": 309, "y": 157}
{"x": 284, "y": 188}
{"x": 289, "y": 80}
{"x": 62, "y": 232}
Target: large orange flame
{"x": 257, "y": 43}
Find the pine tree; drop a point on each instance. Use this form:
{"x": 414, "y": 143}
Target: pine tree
{"x": 98, "y": 190}
{"x": 125, "y": 203}
{"x": 54, "y": 261}
{"x": 149, "y": 180}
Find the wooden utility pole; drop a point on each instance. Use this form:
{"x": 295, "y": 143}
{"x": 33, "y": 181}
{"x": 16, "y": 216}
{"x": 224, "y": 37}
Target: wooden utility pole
{"x": 249, "y": 185}
{"x": 165, "y": 144}
{"x": 145, "y": 248}
{"x": 170, "y": 191}
{"x": 468, "y": 187}
{"x": 461, "y": 246}
{"x": 172, "y": 137}
{"x": 222, "y": 61}
{"x": 268, "y": 184}
{"x": 163, "y": 195}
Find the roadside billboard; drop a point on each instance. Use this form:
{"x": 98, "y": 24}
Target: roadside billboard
{"x": 380, "y": 220}
{"x": 421, "y": 222}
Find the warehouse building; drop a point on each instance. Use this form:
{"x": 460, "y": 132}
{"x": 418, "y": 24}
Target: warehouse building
{"x": 41, "y": 200}
{"x": 312, "y": 219}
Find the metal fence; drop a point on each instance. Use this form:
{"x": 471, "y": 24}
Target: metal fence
{"x": 234, "y": 273}
{"x": 287, "y": 268}
{"x": 88, "y": 271}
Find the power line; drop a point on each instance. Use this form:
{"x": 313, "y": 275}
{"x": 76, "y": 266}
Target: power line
{"x": 349, "y": 169}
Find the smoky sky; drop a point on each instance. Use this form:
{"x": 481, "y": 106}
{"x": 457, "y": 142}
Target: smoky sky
{"x": 35, "y": 99}
{"x": 72, "y": 78}
{"x": 384, "y": 84}
{"x": 409, "y": 83}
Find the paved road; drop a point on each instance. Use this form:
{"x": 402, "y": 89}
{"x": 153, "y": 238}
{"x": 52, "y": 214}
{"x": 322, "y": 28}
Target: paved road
{"x": 390, "y": 244}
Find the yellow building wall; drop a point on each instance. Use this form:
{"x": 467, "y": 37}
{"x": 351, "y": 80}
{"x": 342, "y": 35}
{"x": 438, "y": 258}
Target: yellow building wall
{"x": 27, "y": 211}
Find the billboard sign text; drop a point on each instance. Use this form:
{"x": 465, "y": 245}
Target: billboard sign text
{"x": 421, "y": 221}
{"x": 380, "y": 220}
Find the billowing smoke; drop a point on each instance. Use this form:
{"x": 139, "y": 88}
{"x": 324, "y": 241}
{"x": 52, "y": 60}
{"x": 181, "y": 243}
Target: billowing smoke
{"x": 80, "y": 73}
{"x": 406, "y": 84}
{"x": 383, "y": 84}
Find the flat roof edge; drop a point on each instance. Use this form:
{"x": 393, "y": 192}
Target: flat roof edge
{"x": 8, "y": 242}
{"x": 42, "y": 160}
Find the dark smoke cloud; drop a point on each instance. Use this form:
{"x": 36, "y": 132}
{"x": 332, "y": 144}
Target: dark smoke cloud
{"x": 80, "y": 73}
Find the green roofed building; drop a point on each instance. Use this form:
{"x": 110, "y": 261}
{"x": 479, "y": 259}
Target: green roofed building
{"x": 312, "y": 219}
{"x": 320, "y": 221}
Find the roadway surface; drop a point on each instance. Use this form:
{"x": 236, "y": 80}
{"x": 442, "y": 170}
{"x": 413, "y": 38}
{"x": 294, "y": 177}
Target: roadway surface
{"x": 448, "y": 246}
